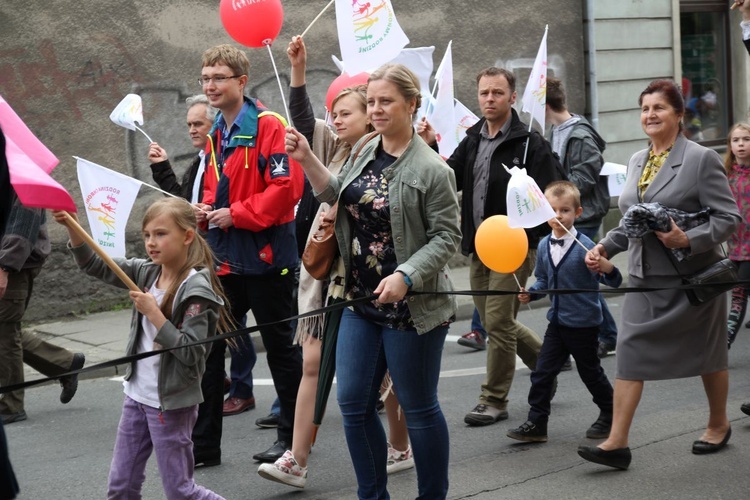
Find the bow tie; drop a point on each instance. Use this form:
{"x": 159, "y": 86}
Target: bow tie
{"x": 555, "y": 241}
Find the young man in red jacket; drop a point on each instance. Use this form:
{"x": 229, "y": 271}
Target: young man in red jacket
{"x": 250, "y": 191}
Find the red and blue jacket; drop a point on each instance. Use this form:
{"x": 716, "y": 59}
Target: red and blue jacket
{"x": 255, "y": 179}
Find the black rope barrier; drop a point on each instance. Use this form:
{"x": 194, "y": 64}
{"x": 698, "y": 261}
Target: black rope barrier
{"x": 349, "y": 303}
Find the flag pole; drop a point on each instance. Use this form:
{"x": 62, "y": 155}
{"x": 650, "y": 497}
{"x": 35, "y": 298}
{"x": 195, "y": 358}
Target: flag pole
{"x": 96, "y": 248}
{"x": 139, "y": 129}
{"x": 281, "y": 89}
{"x": 316, "y": 18}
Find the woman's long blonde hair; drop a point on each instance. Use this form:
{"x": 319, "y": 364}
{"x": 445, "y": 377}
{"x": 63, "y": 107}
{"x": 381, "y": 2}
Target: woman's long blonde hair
{"x": 730, "y": 160}
{"x": 199, "y": 255}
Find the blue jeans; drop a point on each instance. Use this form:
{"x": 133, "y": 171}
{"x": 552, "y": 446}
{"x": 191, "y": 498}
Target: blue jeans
{"x": 363, "y": 353}
{"x": 608, "y": 328}
{"x": 476, "y": 324}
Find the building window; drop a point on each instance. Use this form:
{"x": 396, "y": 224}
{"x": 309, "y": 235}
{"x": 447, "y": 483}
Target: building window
{"x": 706, "y": 84}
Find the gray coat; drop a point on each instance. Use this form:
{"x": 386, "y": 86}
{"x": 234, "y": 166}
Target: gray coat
{"x": 663, "y": 336}
{"x": 424, "y": 221}
{"x": 181, "y": 370}
{"x": 692, "y": 178}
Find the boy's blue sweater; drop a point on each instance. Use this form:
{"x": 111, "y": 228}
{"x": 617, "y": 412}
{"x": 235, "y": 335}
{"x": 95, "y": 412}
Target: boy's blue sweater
{"x": 575, "y": 310}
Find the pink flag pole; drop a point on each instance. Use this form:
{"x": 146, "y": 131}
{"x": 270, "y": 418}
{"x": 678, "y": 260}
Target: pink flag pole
{"x": 101, "y": 253}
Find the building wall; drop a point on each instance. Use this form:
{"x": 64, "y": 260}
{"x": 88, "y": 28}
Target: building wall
{"x": 65, "y": 65}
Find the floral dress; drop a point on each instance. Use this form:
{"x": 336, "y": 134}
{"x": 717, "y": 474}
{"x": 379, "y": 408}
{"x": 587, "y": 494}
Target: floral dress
{"x": 372, "y": 253}
{"x": 738, "y": 244}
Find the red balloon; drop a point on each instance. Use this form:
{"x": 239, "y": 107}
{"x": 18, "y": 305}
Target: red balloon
{"x": 341, "y": 82}
{"x": 254, "y": 23}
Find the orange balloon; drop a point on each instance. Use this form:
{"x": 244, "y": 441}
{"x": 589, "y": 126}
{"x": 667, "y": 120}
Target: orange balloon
{"x": 500, "y": 247}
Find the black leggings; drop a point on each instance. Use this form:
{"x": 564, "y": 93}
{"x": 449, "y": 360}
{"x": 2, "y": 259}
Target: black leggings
{"x": 739, "y": 302}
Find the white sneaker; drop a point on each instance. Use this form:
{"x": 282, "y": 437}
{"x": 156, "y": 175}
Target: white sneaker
{"x": 399, "y": 460}
{"x": 286, "y": 470}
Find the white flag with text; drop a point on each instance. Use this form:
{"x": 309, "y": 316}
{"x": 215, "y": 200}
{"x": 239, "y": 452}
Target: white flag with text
{"x": 369, "y": 34}
{"x": 108, "y": 198}
{"x": 526, "y": 204}
{"x": 443, "y": 117}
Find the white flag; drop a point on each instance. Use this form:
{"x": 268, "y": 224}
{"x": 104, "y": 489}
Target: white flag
{"x": 526, "y": 204}
{"x": 419, "y": 60}
{"x": 128, "y": 112}
{"x": 108, "y": 197}
{"x": 369, "y": 34}
{"x": 443, "y": 118}
{"x": 616, "y": 175}
{"x": 535, "y": 96}
{"x": 465, "y": 119}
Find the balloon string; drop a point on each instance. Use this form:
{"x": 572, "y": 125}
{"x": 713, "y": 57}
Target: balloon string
{"x": 316, "y": 18}
{"x": 281, "y": 89}
{"x": 520, "y": 288}
{"x": 139, "y": 129}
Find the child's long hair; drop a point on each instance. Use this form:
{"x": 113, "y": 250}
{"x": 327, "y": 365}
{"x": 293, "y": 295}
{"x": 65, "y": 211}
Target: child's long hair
{"x": 199, "y": 255}
{"x": 729, "y": 159}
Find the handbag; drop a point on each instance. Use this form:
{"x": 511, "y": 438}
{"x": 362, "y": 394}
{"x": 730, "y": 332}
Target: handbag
{"x": 323, "y": 248}
{"x": 710, "y": 282}
{"x": 722, "y": 275}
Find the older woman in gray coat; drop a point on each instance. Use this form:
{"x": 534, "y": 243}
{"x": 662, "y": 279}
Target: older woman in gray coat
{"x": 663, "y": 336}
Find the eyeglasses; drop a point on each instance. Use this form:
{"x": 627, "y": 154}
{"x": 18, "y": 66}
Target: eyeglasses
{"x": 218, "y": 80}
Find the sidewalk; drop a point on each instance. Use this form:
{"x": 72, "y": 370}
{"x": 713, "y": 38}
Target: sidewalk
{"x": 103, "y": 336}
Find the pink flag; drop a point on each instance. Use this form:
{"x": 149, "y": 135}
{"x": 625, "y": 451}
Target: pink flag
{"x": 14, "y": 128}
{"x": 33, "y": 185}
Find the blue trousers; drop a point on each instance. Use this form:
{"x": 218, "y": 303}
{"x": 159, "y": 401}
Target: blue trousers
{"x": 363, "y": 353}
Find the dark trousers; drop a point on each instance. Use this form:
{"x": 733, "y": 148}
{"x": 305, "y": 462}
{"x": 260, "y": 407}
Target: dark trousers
{"x": 560, "y": 342}
{"x": 270, "y": 300}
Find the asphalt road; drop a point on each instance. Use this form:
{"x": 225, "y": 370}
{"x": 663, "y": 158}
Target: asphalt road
{"x": 63, "y": 452}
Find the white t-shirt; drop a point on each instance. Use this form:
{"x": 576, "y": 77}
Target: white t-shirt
{"x": 143, "y": 386}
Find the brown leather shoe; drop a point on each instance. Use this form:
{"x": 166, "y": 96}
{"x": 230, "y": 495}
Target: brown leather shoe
{"x": 235, "y": 406}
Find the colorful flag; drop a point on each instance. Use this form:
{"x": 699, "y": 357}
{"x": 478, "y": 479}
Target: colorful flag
{"x": 14, "y": 128}
{"x": 369, "y": 34}
{"x": 443, "y": 118}
{"x": 465, "y": 119}
{"x": 32, "y": 184}
{"x": 527, "y": 205}
{"x": 128, "y": 112}
{"x": 108, "y": 198}
{"x": 535, "y": 96}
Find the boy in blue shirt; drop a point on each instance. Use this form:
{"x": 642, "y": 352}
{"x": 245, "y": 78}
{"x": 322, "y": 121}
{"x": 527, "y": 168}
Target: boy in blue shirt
{"x": 574, "y": 319}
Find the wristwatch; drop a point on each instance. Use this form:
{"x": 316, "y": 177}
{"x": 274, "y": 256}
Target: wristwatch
{"x": 407, "y": 279}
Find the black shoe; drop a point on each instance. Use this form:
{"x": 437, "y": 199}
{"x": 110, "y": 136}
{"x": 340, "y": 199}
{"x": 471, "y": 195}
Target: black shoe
{"x": 269, "y": 422}
{"x": 207, "y": 459}
{"x": 69, "y": 383}
{"x": 604, "y": 349}
{"x": 529, "y": 432}
{"x": 273, "y": 453}
{"x": 747, "y": 325}
{"x": 9, "y": 418}
{"x": 704, "y": 447}
{"x": 567, "y": 366}
{"x": 600, "y": 429}
{"x": 745, "y": 408}
{"x": 619, "y": 458}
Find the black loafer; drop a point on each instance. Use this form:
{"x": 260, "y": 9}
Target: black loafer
{"x": 619, "y": 458}
{"x": 704, "y": 447}
{"x": 745, "y": 408}
{"x": 208, "y": 459}
{"x": 69, "y": 383}
{"x": 273, "y": 453}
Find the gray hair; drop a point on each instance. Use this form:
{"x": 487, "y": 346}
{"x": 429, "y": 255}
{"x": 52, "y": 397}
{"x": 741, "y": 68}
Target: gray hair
{"x": 202, "y": 99}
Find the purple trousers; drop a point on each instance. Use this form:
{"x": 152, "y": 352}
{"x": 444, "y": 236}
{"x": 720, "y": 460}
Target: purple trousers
{"x": 143, "y": 429}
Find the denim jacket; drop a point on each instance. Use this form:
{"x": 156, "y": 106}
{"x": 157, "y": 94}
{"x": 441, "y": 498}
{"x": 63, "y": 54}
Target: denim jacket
{"x": 424, "y": 222}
